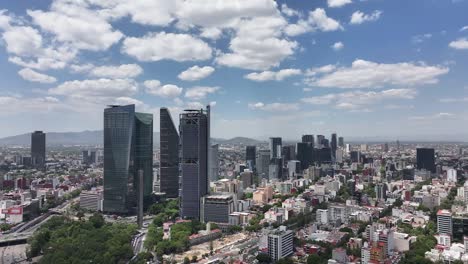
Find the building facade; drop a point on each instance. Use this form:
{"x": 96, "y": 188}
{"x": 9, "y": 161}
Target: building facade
{"x": 194, "y": 131}
{"x": 128, "y": 148}
{"x": 169, "y": 155}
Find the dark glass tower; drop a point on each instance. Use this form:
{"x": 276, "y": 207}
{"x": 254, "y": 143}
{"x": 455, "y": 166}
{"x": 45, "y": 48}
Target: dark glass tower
{"x": 425, "y": 159}
{"x": 275, "y": 147}
{"x": 38, "y": 149}
{"x": 304, "y": 151}
{"x": 320, "y": 141}
{"x": 128, "y": 148}
{"x": 194, "y": 141}
{"x": 250, "y": 156}
{"x": 169, "y": 152}
{"x": 333, "y": 146}
{"x": 308, "y": 139}
{"x": 341, "y": 142}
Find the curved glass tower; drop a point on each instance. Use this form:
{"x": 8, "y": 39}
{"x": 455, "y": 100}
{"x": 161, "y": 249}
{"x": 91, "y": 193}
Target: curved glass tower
{"x": 128, "y": 148}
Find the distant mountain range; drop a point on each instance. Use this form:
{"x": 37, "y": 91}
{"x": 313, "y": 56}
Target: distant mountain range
{"x": 96, "y": 138}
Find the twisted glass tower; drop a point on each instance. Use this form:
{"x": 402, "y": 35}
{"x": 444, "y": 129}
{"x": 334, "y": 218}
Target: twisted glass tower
{"x": 128, "y": 148}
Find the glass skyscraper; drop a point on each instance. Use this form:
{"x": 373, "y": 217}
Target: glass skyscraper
{"x": 169, "y": 155}
{"x": 38, "y": 149}
{"x": 275, "y": 147}
{"x": 194, "y": 129}
{"x": 128, "y": 148}
{"x": 425, "y": 159}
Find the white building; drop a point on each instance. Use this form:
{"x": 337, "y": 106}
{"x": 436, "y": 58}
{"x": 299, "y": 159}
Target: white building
{"x": 280, "y": 243}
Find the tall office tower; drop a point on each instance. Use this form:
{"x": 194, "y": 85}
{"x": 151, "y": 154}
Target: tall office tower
{"x": 280, "y": 244}
{"x": 385, "y": 147}
{"x": 169, "y": 155}
{"x": 214, "y": 163}
{"x": 333, "y": 146}
{"x": 308, "y": 139}
{"x": 194, "y": 131}
{"x": 398, "y": 145}
{"x": 250, "y": 156}
{"x": 275, "y": 170}
{"x": 341, "y": 142}
{"x": 275, "y": 147}
{"x": 263, "y": 163}
{"x": 84, "y": 157}
{"x": 323, "y": 155}
{"x": 304, "y": 154}
{"x": 288, "y": 153}
{"x": 326, "y": 143}
{"x": 38, "y": 149}
{"x": 444, "y": 222}
{"x": 381, "y": 191}
{"x": 128, "y": 148}
{"x": 425, "y": 159}
{"x": 320, "y": 141}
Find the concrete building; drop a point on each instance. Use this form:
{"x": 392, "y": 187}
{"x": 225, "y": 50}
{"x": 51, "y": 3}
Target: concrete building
{"x": 91, "y": 200}
{"x": 444, "y": 222}
{"x": 280, "y": 243}
{"x": 217, "y": 208}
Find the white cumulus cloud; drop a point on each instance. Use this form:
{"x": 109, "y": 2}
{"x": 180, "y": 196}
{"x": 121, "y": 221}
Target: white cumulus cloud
{"x": 195, "y": 73}
{"x": 459, "y": 44}
{"x": 368, "y": 74}
{"x": 271, "y": 75}
{"x": 117, "y": 72}
{"x": 338, "y": 3}
{"x": 33, "y": 76}
{"x": 200, "y": 92}
{"x": 166, "y": 46}
{"x": 338, "y": 46}
{"x": 359, "y": 17}
{"x": 155, "y": 87}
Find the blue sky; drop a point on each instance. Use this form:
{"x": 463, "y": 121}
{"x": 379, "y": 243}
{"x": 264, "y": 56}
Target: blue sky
{"x": 361, "y": 68}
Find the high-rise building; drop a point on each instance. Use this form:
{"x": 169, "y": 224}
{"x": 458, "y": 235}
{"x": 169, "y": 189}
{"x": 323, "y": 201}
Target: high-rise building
{"x": 333, "y": 146}
{"x": 308, "y": 139}
{"x": 194, "y": 131}
{"x": 381, "y": 191}
{"x": 263, "y": 163}
{"x": 169, "y": 155}
{"x": 425, "y": 159}
{"x": 250, "y": 156}
{"x": 217, "y": 208}
{"x": 288, "y": 153}
{"x": 341, "y": 142}
{"x": 304, "y": 153}
{"x": 280, "y": 244}
{"x": 38, "y": 149}
{"x": 444, "y": 222}
{"x": 275, "y": 147}
{"x": 275, "y": 169}
{"x": 128, "y": 148}
{"x": 214, "y": 163}
{"x": 320, "y": 141}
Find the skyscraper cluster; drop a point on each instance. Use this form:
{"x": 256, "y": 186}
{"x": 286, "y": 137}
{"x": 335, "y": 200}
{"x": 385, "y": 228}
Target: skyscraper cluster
{"x": 275, "y": 162}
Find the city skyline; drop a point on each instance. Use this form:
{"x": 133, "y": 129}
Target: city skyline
{"x": 403, "y": 78}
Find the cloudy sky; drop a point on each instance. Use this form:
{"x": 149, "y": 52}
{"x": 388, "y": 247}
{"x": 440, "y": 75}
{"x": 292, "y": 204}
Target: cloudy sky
{"x": 358, "y": 67}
